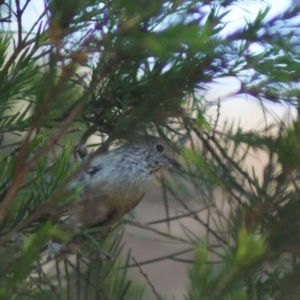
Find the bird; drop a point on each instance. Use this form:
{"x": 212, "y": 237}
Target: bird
{"x": 115, "y": 182}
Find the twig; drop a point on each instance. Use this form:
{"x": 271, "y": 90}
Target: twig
{"x": 10, "y": 145}
{"x": 161, "y": 258}
{"x": 175, "y": 217}
{"x": 19, "y": 21}
{"x": 147, "y": 279}
{"x": 182, "y": 202}
{"x": 16, "y": 52}
{"x": 6, "y": 19}
{"x": 163, "y": 234}
{"x": 54, "y": 212}
{"x": 22, "y": 169}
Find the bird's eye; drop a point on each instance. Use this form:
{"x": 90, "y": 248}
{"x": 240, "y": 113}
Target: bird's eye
{"x": 159, "y": 148}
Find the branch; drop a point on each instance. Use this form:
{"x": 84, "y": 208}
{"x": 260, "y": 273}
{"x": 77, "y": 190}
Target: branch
{"x": 21, "y": 171}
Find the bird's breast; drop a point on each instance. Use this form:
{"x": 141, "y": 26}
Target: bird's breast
{"x": 125, "y": 184}
{"x": 112, "y": 188}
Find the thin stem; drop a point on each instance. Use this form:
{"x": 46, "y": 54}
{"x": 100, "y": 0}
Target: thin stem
{"x": 19, "y": 20}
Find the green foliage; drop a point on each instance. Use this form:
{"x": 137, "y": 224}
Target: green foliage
{"x": 224, "y": 280}
{"x": 117, "y": 68}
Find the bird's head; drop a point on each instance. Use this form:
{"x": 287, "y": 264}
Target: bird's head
{"x": 156, "y": 152}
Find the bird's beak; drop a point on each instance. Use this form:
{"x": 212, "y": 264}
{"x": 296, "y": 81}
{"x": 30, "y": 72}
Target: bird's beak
{"x": 175, "y": 163}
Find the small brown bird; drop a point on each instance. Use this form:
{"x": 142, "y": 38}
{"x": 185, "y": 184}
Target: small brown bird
{"x": 117, "y": 181}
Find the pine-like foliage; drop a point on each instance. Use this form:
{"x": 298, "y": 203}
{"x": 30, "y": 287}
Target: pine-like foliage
{"x": 117, "y": 68}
